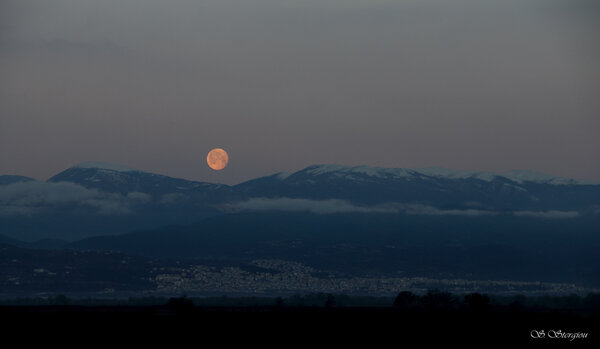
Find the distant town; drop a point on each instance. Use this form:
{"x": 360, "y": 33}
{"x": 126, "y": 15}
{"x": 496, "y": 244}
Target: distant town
{"x": 281, "y": 277}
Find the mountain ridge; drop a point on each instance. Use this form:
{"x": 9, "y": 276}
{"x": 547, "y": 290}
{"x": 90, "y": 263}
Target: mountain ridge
{"x": 98, "y": 198}
{"x": 500, "y": 247}
{"x": 516, "y": 175}
{"x": 356, "y": 219}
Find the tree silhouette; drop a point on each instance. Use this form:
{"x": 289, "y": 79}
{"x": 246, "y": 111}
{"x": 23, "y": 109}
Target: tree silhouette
{"x": 478, "y": 303}
{"x": 438, "y": 300}
{"x": 592, "y": 301}
{"x": 60, "y": 299}
{"x": 181, "y": 305}
{"x": 278, "y": 302}
{"x": 330, "y": 302}
{"x": 405, "y": 299}
{"x": 516, "y": 307}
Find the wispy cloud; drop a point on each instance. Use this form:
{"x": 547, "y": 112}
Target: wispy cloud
{"x": 30, "y": 197}
{"x": 304, "y": 205}
{"x": 548, "y": 214}
{"x": 416, "y": 209}
{"x": 342, "y": 206}
{"x": 172, "y": 198}
{"x": 139, "y": 197}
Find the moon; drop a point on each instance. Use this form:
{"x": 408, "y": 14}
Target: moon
{"x": 217, "y": 159}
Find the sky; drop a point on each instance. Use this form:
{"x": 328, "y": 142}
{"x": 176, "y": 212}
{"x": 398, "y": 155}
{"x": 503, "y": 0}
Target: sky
{"x": 282, "y": 84}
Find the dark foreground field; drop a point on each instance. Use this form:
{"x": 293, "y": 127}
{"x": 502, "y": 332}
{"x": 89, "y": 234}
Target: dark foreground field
{"x": 180, "y": 321}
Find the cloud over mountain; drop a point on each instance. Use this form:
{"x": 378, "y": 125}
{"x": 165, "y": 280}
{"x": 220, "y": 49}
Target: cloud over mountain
{"x": 304, "y": 205}
{"x": 332, "y": 206}
{"x": 30, "y": 197}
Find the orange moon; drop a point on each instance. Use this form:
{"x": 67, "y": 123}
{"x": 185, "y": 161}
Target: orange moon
{"x": 217, "y": 159}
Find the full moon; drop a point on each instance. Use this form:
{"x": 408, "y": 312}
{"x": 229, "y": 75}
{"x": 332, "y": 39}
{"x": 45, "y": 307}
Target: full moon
{"x": 217, "y": 159}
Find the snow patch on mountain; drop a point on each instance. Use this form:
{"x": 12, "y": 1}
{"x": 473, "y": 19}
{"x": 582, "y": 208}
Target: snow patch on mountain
{"x": 521, "y": 176}
{"x": 456, "y": 174}
{"x": 283, "y": 175}
{"x": 383, "y": 172}
{"x": 518, "y": 176}
{"x": 323, "y": 169}
{"x": 106, "y": 166}
{"x": 347, "y": 171}
{"x": 394, "y": 173}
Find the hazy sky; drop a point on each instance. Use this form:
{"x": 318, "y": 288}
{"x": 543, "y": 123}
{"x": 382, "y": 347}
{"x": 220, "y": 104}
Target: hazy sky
{"x": 281, "y": 84}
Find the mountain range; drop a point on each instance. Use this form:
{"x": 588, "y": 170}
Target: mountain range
{"x": 358, "y": 220}
{"x": 94, "y": 198}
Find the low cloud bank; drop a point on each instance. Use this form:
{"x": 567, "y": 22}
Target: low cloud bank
{"x": 31, "y": 197}
{"x": 548, "y": 214}
{"x": 304, "y": 205}
{"x": 25, "y": 198}
{"x": 331, "y": 206}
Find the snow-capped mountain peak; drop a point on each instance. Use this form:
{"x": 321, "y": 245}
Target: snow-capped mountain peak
{"x": 396, "y": 173}
{"x": 379, "y": 172}
{"x": 325, "y": 168}
{"x": 106, "y": 166}
{"x": 521, "y": 176}
{"x": 456, "y": 174}
{"x": 518, "y": 176}
{"x": 283, "y": 175}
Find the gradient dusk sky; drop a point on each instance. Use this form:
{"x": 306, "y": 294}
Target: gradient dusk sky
{"x": 283, "y": 84}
